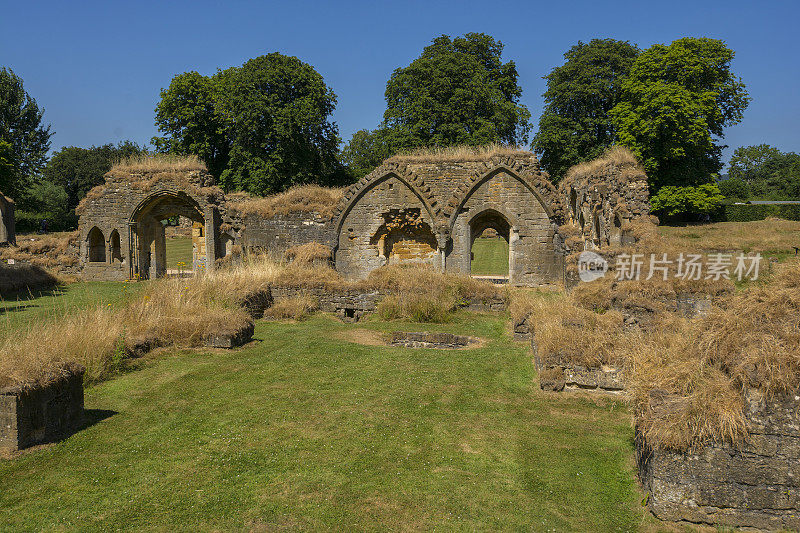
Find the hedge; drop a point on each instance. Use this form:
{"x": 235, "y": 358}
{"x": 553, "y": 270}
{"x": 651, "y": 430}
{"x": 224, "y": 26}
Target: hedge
{"x": 750, "y": 212}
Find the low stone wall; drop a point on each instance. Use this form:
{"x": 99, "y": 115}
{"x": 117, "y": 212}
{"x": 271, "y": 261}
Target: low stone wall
{"x": 756, "y": 485}
{"x": 495, "y": 304}
{"x": 349, "y": 305}
{"x": 35, "y": 415}
{"x": 413, "y": 339}
{"x": 563, "y": 375}
{"x": 231, "y": 339}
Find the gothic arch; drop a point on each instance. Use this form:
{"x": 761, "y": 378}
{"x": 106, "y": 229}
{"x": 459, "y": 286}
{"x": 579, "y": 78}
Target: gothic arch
{"x": 377, "y": 176}
{"x": 544, "y": 191}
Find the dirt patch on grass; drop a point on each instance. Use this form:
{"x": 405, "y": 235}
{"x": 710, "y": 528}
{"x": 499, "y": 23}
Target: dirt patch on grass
{"x": 368, "y": 337}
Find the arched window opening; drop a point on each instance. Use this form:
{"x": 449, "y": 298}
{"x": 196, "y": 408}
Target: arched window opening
{"x": 97, "y": 246}
{"x": 116, "y": 247}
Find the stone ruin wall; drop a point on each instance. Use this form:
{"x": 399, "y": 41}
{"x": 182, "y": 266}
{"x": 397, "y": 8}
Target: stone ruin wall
{"x": 415, "y": 211}
{"x": 756, "y": 485}
{"x": 120, "y": 233}
{"x": 603, "y": 202}
{"x": 430, "y": 212}
{"x": 7, "y": 230}
{"x": 44, "y": 413}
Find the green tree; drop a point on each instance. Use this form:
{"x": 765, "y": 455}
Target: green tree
{"x": 674, "y": 105}
{"x": 188, "y": 115}
{"x": 365, "y": 151}
{"x": 769, "y": 173}
{"x": 685, "y": 201}
{"x": 575, "y": 125}
{"x": 457, "y": 92}
{"x": 261, "y": 127}
{"x": 26, "y": 139}
{"x": 734, "y": 189}
{"x": 77, "y": 170}
{"x": 749, "y": 163}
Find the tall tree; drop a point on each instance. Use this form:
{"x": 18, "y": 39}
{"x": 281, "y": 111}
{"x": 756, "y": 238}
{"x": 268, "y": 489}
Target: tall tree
{"x": 22, "y": 130}
{"x": 261, "y": 127}
{"x": 674, "y": 106}
{"x": 365, "y": 151}
{"x": 764, "y": 172}
{"x": 77, "y": 170}
{"x": 457, "y": 92}
{"x": 188, "y": 115}
{"x": 575, "y": 125}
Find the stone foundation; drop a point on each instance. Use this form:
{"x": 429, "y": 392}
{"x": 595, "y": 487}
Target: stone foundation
{"x": 349, "y": 305}
{"x": 564, "y": 375}
{"x": 755, "y": 486}
{"x": 411, "y": 339}
{"x": 231, "y": 339}
{"x": 39, "y": 414}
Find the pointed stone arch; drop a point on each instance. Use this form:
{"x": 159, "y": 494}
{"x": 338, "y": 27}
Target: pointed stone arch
{"x": 536, "y": 182}
{"x": 386, "y": 171}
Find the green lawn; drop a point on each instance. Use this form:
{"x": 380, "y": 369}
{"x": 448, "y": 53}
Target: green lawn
{"x": 490, "y": 257}
{"x": 179, "y": 249}
{"x": 19, "y": 312}
{"x": 304, "y": 430}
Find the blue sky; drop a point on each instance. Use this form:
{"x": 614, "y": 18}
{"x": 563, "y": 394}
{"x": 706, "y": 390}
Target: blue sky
{"x": 97, "y": 67}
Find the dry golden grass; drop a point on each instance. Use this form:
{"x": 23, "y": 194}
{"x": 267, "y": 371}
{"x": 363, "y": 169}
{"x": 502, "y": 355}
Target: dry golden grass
{"x": 688, "y": 378}
{"x": 771, "y": 235}
{"x": 152, "y": 163}
{"x": 170, "y": 312}
{"x": 459, "y": 153}
{"x": 296, "y": 308}
{"x": 566, "y": 334}
{"x": 298, "y": 199}
{"x": 51, "y": 251}
{"x": 616, "y": 156}
{"x": 308, "y": 253}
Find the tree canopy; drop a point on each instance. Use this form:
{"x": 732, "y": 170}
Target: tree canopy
{"x": 25, "y": 139}
{"x": 674, "y": 105}
{"x": 763, "y": 172}
{"x": 365, "y": 151}
{"x": 77, "y": 170}
{"x": 575, "y": 125}
{"x": 457, "y": 92}
{"x": 260, "y": 128}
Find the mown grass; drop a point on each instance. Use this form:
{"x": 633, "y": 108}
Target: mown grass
{"x": 179, "y": 249}
{"x": 490, "y": 257}
{"x": 25, "y": 309}
{"x": 305, "y": 430}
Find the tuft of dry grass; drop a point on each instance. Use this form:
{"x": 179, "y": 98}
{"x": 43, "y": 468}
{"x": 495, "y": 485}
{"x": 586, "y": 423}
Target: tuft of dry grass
{"x": 298, "y": 199}
{"x": 460, "y": 153}
{"x": 51, "y": 251}
{"x": 566, "y": 334}
{"x": 295, "y": 308}
{"x": 169, "y": 312}
{"x": 689, "y": 377}
{"x": 616, "y": 156}
{"x": 151, "y": 163}
{"x": 308, "y": 253}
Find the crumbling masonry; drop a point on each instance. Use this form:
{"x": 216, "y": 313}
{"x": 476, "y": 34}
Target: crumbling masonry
{"x": 410, "y": 209}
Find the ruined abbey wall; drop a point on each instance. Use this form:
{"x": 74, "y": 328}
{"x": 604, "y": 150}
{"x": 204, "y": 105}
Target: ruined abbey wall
{"x": 7, "y": 232}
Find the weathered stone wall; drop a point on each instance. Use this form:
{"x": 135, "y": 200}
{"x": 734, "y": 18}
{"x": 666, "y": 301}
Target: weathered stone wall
{"x": 7, "y": 230}
{"x": 566, "y": 375}
{"x": 40, "y": 414}
{"x": 430, "y": 212}
{"x": 757, "y": 485}
{"x": 349, "y": 305}
{"x": 416, "y": 339}
{"x": 280, "y": 232}
{"x": 120, "y": 233}
{"x": 603, "y": 200}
